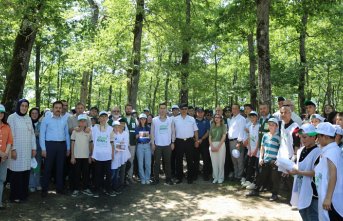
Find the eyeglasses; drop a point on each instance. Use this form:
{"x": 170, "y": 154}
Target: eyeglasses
{"x": 115, "y": 111}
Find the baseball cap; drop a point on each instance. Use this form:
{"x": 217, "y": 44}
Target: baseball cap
{"x": 103, "y": 113}
{"x": 175, "y": 107}
{"x": 326, "y": 128}
{"x": 318, "y": 117}
{"x": 309, "y": 102}
{"x": 308, "y": 129}
{"x": 281, "y": 99}
{"x": 183, "y": 105}
{"x": 82, "y": 117}
{"x": 142, "y": 116}
{"x": 146, "y": 109}
{"x": 116, "y": 123}
{"x": 339, "y": 130}
{"x": 2, "y": 108}
{"x": 200, "y": 109}
{"x": 235, "y": 153}
{"x": 253, "y": 113}
{"x": 273, "y": 120}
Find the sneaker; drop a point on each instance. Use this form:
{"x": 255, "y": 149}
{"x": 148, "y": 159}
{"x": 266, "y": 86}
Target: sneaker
{"x": 147, "y": 182}
{"x": 96, "y": 195}
{"x": 169, "y": 183}
{"x": 75, "y": 193}
{"x": 252, "y": 193}
{"x": 32, "y": 189}
{"x": 274, "y": 197}
{"x": 243, "y": 180}
{"x": 251, "y": 186}
{"x": 214, "y": 181}
{"x": 87, "y": 192}
{"x": 110, "y": 193}
{"x": 143, "y": 182}
{"x": 246, "y": 183}
{"x": 220, "y": 181}
{"x": 39, "y": 188}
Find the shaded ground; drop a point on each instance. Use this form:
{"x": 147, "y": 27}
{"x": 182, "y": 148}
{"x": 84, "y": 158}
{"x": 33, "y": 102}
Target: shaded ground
{"x": 199, "y": 201}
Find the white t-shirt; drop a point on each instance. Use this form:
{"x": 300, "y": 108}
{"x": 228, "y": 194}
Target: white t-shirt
{"x": 102, "y": 143}
{"x": 162, "y": 131}
{"x": 253, "y": 138}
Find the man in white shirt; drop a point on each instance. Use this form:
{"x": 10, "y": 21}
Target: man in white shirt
{"x": 186, "y": 131}
{"x": 294, "y": 116}
{"x": 236, "y": 136}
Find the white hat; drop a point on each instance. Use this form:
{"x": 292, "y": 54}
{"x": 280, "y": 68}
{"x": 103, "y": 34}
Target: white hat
{"x": 273, "y": 120}
{"x": 146, "y": 109}
{"x": 339, "y": 130}
{"x": 235, "y": 153}
{"x": 317, "y": 116}
{"x": 82, "y": 117}
{"x": 326, "y": 128}
{"x": 142, "y": 116}
{"x": 116, "y": 123}
{"x": 103, "y": 113}
{"x": 308, "y": 129}
{"x": 175, "y": 106}
{"x": 253, "y": 113}
{"x": 34, "y": 163}
{"x": 2, "y": 108}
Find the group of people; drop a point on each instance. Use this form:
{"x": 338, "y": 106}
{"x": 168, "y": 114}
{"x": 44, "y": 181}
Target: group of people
{"x": 100, "y": 152}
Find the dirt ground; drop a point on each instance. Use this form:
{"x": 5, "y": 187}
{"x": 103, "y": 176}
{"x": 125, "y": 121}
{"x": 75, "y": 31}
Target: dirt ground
{"x": 198, "y": 201}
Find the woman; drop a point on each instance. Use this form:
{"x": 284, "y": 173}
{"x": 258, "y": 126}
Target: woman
{"x": 330, "y": 113}
{"x": 5, "y": 148}
{"x": 143, "y": 149}
{"x": 35, "y": 183}
{"x": 217, "y": 148}
{"x": 25, "y": 147}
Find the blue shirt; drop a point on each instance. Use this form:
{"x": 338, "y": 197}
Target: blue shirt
{"x": 144, "y": 134}
{"x": 54, "y": 129}
{"x": 203, "y": 126}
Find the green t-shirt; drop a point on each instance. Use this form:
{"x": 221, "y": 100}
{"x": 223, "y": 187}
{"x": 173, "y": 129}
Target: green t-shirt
{"x": 217, "y": 133}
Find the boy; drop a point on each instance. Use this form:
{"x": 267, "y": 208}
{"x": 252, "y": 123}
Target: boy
{"x": 315, "y": 119}
{"x": 81, "y": 156}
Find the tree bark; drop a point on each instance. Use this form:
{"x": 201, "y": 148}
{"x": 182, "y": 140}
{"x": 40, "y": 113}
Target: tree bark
{"x": 216, "y": 78}
{"x": 166, "y": 86}
{"x": 303, "y": 62}
{"x": 109, "y": 98}
{"x": 90, "y": 91}
{"x": 134, "y": 73}
{"x": 262, "y": 34}
{"x": 252, "y": 71}
{"x": 84, "y": 87}
{"x": 185, "y": 55}
{"x": 37, "y": 73}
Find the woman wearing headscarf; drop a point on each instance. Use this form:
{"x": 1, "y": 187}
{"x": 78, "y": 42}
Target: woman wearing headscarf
{"x": 24, "y": 144}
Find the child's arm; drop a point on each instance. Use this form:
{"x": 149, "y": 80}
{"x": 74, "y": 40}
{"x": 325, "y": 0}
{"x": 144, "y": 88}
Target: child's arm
{"x": 331, "y": 185}
{"x": 72, "y": 158}
{"x": 261, "y": 155}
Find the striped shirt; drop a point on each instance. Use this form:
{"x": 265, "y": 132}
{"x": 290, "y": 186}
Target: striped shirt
{"x": 271, "y": 144}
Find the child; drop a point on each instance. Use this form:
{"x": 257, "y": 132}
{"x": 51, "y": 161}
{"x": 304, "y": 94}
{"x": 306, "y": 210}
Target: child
{"x": 253, "y": 150}
{"x": 328, "y": 173}
{"x": 315, "y": 119}
{"x": 121, "y": 156}
{"x": 269, "y": 172}
{"x": 103, "y": 154}
{"x": 339, "y": 119}
{"x": 304, "y": 192}
{"x": 81, "y": 157}
{"x": 143, "y": 149}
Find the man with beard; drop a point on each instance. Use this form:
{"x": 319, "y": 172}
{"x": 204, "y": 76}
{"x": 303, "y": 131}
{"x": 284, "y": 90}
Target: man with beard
{"x": 115, "y": 115}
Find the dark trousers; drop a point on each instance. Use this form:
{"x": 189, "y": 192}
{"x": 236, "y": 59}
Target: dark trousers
{"x": 269, "y": 173}
{"x": 165, "y": 152}
{"x": 184, "y": 147}
{"x": 19, "y": 185}
{"x": 173, "y": 162}
{"x": 228, "y": 166}
{"x": 251, "y": 168}
{"x": 204, "y": 151}
{"x": 80, "y": 172}
{"x": 55, "y": 155}
{"x": 102, "y": 169}
{"x": 334, "y": 215}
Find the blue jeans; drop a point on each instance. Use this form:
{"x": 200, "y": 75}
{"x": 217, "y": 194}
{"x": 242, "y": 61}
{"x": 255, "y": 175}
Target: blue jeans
{"x": 143, "y": 152}
{"x": 35, "y": 177}
{"x": 3, "y": 173}
{"x": 310, "y": 213}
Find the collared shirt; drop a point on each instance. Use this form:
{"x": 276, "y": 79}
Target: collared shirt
{"x": 5, "y": 137}
{"x": 54, "y": 128}
{"x": 185, "y": 127}
{"x": 203, "y": 126}
{"x": 236, "y": 127}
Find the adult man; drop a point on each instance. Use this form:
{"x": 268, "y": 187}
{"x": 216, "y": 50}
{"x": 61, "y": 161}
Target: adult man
{"x": 191, "y": 111}
{"x": 55, "y": 143}
{"x": 146, "y": 111}
{"x": 208, "y": 114}
{"x": 162, "y": 143}
{"x": 175, "y": 110}
{"x": 186, "y": 131}
{"x": 115, "y": 115}
{"x": 236, "y": 137}
{"x": 310, "y": 109}
{"x": 175, "y": 113}
{"x": 72, "y": 120}
{"x": 64, "y": 113}
{"x": 203, "y": 132}
{"x": 131, "y": 124}
{"x": 263, "y": 121}
{"x": 94, "y": 115}
{"x": 294, "y": 116}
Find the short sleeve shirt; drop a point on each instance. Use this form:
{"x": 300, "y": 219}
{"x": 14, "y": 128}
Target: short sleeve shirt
{"x": 144, "y": 134}
{"x": 185, "y": 127}
{"x": 81, "y": 146}
{"x": 216, "y": 133}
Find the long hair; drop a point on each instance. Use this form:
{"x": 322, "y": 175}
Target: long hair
{"x": 4, "y": 119}
{"x": 221, "y": 120}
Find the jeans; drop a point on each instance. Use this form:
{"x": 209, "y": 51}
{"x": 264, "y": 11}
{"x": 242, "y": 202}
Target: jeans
{"x": 35, "y": 174}
{"x": 310, "y": 213}
{"x": 143, "y": 152}
{"x": 3, "y": 173}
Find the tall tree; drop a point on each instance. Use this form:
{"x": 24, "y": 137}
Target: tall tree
{"x": 133, "y": 73}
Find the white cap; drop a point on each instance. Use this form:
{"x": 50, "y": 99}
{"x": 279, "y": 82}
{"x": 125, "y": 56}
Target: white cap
{"x": 308, "y": 129}
{"x": 253, "y": 113}
{"x": 34, "y": 163}
{"x": 235, "y": 153}
{"x": 146, "y": 109}
{"x": 175, "y": 107}
{"x": 326, "y": 128}
{"x": 82, "y": 117}
{"x": 339, "y": 130}
{"x": 142, "y": 116}
{"x": 103, "y": 113}
{"x": 317, "y": 116}
{"x": 273, "y": 120}
{"x": 116, "y": 123}
{"x": 2, "y": 108}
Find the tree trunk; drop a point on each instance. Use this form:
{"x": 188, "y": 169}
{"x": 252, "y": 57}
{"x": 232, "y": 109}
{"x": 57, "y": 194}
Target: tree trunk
{"x": 109, "y": 98}
{"x": 90, "y": 91}
{"x": 216, "y": 78}
{"x": 155, "y": 93}
{"x": 252, "y": 71}
{"x": 84, "y": 87}
{"x": 15, "y": 81}
{"x": 134, "y": 73}
{"x": 166, "y": 86}
{"x": 37, "y": 72}
{"x": 185, "y": 55}
{"x": 262, "y": 34}
{"x": 303, "y": 62}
